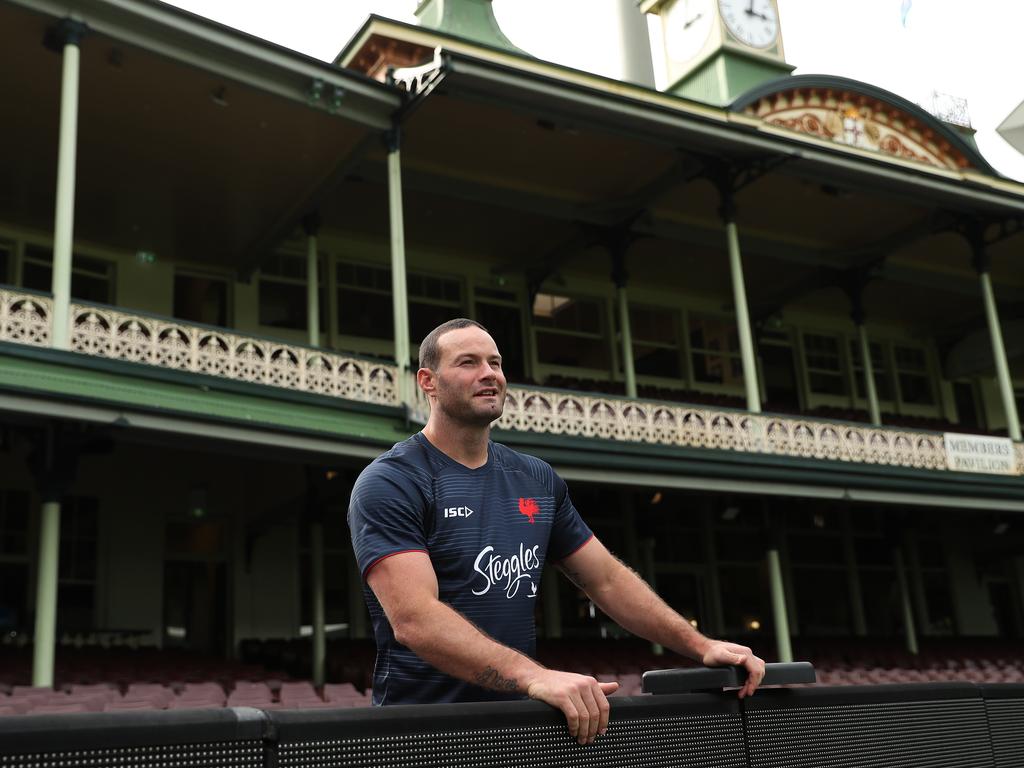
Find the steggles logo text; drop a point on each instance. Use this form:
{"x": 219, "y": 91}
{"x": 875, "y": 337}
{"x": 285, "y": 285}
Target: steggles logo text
{"x": 506, "y": 572}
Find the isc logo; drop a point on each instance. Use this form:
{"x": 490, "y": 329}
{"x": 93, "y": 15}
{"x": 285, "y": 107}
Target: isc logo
{"x": 457, "y": 511}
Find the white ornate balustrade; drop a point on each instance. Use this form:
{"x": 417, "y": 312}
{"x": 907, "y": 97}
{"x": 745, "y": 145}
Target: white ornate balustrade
{"x": 25, "y": 319}
{"x": 109, "y": 333}
{"x": 686, "y": 426}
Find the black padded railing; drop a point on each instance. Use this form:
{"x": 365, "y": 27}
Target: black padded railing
{"x": 915, "y": 726}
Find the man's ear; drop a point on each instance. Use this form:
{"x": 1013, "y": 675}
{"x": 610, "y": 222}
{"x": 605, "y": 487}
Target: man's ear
{"x": 425, "y": 381}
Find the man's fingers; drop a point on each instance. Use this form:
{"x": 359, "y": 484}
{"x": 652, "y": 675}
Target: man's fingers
{"x": 589, "y": 696}
{"x": 571, "y": 707}
{"x": 604, "y": 706}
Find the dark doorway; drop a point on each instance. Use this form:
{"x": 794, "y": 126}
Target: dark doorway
{"x": 505, "y": 326}
{"x": 195, "y": 606}
{"x": 781, "y": 390}
{"x": 966, "y": 405}
{"x": 1003, "y": 611}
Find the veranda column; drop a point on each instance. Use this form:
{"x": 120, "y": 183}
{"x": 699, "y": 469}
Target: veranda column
{"x": 67, "y": 35}
{"x": 357, "y": 614}
{"x": 981, "y": 265}
{"x": 739, "y": 294}
{"x": 399, "y": 296}
{"x": 907, "y": 612}
{"x": 874, "y": 412}
{"x": 855, "y": 291}
{"x": 779, "y": 614}
{"x": 316, "y": 551}
{"x": 311, "y": 225}
{"x": 620, "y": 277}
{"x": 45, "y": 642}
{"x": 552, "y": 602}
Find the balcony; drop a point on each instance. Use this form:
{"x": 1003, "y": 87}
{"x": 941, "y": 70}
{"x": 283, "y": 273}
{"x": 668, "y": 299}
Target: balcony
{"x": 108, "y": 332}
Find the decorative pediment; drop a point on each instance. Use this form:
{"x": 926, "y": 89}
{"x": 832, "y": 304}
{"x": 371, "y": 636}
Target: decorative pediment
{"x": 838, "y": 111}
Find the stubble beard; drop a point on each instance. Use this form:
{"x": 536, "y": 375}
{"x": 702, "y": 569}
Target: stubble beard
{"x": 462, "y": 412}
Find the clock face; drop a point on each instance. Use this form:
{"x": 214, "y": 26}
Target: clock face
{"x": 687, "y": 26}
{"x": 753, "y": 22}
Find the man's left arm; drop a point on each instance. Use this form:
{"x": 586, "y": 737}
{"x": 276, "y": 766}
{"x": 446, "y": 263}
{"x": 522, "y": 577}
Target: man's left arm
{"x": 618, "y": 591}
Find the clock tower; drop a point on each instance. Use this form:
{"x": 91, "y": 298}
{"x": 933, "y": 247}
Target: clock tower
{"x": 716, "y": 50}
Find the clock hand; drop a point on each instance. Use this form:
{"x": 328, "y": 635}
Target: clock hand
{"x": 692, "y": 21}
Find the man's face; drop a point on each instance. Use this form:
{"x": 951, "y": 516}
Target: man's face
{"x": 469, "y": 385}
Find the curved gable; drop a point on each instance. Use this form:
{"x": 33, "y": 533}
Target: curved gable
{"x": 860, "y": 115}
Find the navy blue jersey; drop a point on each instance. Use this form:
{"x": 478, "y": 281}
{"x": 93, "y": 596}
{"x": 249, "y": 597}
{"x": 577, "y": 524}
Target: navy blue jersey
{"x": 488, "y": 532}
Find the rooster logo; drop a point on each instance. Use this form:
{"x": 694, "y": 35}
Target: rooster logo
{"x": 529, "y": 508}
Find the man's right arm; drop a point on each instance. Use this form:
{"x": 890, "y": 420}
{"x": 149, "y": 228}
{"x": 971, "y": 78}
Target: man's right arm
{"x": 406, "y": 587}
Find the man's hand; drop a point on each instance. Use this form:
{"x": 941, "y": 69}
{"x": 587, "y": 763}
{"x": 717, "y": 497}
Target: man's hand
{"x": 722, "y": 654}
{"x": 582, "y": 699}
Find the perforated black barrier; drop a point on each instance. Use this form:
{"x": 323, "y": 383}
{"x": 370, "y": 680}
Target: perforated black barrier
{"x": 689, "y": 730}
{"x": 1004, "y": 705}
{"x": 897, "y": 726}
{"x": 218, "y": 738}
{"x": 902, "y": 726}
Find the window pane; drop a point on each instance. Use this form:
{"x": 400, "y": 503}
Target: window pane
{"x": 827, "y": 383}
{"x": 717, "y": 369}
{"x": 91, "y": 288}
{"x": 656, "y": 361}
{"x": 201, "y": 299}
{"x": 572, "y": 351}
{"x": 6, "y": 257}
{"x": 365, "y": 314}
{"x": 916, "y": 389}
{"x": 567, "y": 314}
{"x": 881, "y": 385}
{"x": 910, "y": 359}
{"x": 651, "y": 324}
{"x": 36, "y": 276}
{"x": 505, "y": 327}
{"x": 283, "y": 305}
{"x": 713, "y": 333}
{"x": 423, "y": 318}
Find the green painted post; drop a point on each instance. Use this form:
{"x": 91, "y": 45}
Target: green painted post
{"x": 869, "y": 376}
{"x": 356, "y": 601}
{"x": 999, "y": 354}
{"x": 399, "y": 293}
{"x": 64, "y": 216}
{"x": 551, "y": 600}
{"x": 46, "y": 595}
{"x": 905, "y": 607}
{"x": 316, "y": 546}
{"x": 311, "y": 224}
{"x": 628, "y": 366}
{"x": 739, "y": 292}
{"x": 779, "y": 615}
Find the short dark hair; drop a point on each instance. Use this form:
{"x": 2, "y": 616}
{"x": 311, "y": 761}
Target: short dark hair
{"x": 430, "y": 349}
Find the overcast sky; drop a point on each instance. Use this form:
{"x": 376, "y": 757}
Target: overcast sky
{"x": 966, "y": 49}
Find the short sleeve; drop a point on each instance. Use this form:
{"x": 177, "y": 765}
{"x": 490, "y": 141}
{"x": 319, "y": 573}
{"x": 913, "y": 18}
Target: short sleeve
{"x": 568, "y": 531}
{"x": 385, "y": 515}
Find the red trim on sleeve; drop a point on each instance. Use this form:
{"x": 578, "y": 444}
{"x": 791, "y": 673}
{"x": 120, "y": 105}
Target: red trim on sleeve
{"x": 370, "y": 567}
{"x": 581, "y": 546}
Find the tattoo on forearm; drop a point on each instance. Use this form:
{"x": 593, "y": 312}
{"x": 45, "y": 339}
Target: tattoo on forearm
{"x": 492, "y": 679}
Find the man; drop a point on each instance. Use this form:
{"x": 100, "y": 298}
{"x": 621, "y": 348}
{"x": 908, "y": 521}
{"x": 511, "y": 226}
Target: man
{"x": 452, "y": 531}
